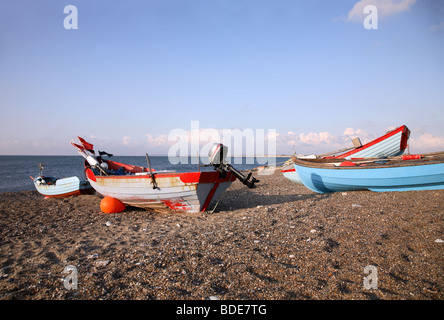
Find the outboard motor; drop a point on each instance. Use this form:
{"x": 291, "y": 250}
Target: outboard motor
{"x": 217, "y": 156}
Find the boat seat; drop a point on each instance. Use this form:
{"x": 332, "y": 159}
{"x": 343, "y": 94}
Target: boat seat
{"x": 49, "y": 180}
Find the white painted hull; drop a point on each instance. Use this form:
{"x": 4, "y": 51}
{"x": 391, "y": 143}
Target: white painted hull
{"x": 62, "y": 188}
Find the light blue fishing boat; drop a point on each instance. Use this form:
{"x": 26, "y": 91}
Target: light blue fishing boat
{"x": 392, "y": 144}
{"x": 406, "y": 173}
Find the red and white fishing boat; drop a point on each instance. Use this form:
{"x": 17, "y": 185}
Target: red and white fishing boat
{"x": 392, "y": 144}
{"x": 161, "y": 191}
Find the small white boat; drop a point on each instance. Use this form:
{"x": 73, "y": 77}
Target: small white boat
{"x": 51, "y": 187}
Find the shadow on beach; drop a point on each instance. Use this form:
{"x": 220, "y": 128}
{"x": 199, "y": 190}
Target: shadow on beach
{"x": 271, "y": 190}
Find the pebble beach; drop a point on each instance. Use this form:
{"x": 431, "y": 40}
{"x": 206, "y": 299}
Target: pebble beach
{"x": 278, "y": 241}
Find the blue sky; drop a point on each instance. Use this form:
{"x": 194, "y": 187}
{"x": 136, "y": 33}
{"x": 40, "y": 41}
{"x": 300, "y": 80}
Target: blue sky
{"x": 134, "y": 71}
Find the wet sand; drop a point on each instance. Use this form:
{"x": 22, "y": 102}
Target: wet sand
{"x": 279, "y": 241}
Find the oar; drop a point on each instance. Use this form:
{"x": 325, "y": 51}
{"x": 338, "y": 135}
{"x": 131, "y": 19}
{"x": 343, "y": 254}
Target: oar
{"x": 397, "y": 158}
{"x": 151, "y": 172}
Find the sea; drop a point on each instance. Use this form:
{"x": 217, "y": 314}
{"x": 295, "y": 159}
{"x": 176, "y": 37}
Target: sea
{"x": 16, "y": 171}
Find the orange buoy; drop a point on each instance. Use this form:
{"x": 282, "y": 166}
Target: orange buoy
{"x": 111, "y": 205}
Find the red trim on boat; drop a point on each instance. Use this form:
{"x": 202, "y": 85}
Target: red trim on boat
{"x": 205, "y": 177}
{"x": 405, "y": 138}
{"x": 90, "y": 174}
{"x": 288, "y": 170}
{"x": 210, "y": 197}
{"x": 185, "y": 177}
{"x": 190, "y": 177}
{"x": 64, "y": 195}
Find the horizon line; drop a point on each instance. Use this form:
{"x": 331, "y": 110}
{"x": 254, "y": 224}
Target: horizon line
{"x": 129, "y": 155}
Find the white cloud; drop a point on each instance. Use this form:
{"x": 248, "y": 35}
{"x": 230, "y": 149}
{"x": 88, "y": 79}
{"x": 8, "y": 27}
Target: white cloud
{"x": 316, "y": 138}
{"x": 159, "y": 140}
{"x": 273, "y": 135}
{"x": 307, "y": 143}
{"x": 352, "y": 132}
{"x": 385, "y": 8}
{"x": 437, "y": 27}
{"x": 426, "y": 143}
{"x": 126, "y": 140}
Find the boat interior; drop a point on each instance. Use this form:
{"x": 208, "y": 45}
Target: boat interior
{"x": 399, "y": 161}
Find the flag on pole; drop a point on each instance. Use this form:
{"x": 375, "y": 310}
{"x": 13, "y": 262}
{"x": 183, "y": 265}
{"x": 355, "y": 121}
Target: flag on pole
{"x": 86, "y": 145}
{"x": 79, "y": 147}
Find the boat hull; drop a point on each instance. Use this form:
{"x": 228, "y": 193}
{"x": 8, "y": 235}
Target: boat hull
{"x": 291, "y": 174}
{"x": 63, "y": 188}
{"x": 188, "y": 192}
{"x": 399, "y": 178}
{"x": 391, "y": 144}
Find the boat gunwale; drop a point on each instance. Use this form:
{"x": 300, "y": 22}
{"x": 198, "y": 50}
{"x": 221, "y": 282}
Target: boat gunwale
{"x": 370, "y": 163}
{"x": 185, "y": 177}
{"x": 161, "y": 175}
